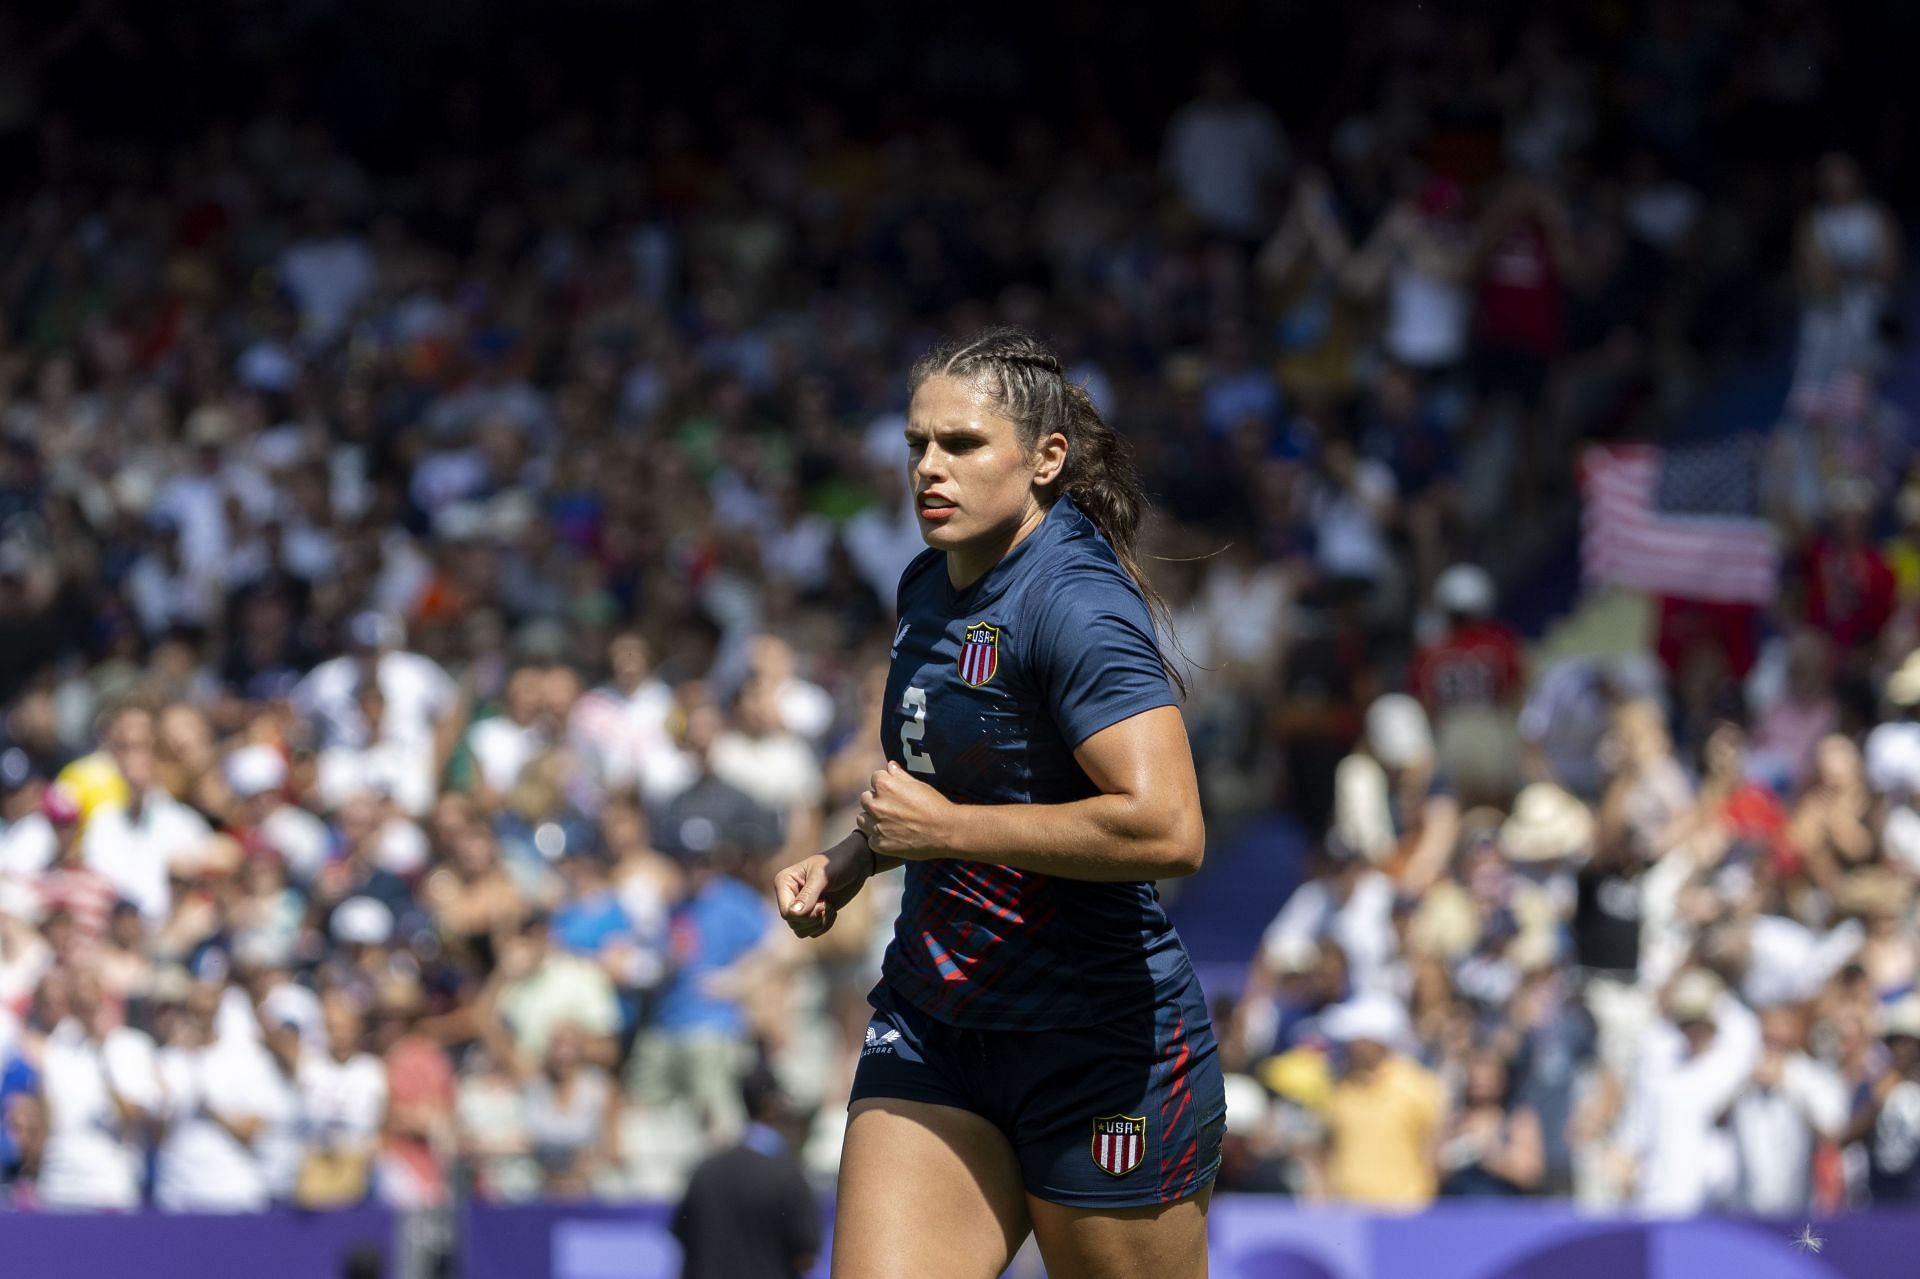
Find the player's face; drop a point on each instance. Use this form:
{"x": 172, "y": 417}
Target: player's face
{"x": 974, "y": 482}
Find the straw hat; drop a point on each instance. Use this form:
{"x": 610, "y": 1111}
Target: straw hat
{"x": 1548, "y": 824}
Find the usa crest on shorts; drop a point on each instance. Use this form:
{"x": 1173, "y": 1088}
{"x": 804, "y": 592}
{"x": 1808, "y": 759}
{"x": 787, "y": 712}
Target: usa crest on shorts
{"x": 979, "y": 654}
{"x": 1119, "y": 1143}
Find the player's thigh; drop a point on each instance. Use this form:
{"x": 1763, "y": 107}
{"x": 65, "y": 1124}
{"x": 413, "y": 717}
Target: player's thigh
{"x": 925, "y": 1190}
{"x": 1158, "y": 1241}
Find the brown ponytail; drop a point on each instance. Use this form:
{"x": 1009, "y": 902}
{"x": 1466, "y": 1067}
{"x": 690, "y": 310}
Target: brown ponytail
{"x": 1028, "y": 384}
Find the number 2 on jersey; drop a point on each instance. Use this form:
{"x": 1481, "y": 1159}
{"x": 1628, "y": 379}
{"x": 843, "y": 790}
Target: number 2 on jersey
{"x": 914, "y": 703}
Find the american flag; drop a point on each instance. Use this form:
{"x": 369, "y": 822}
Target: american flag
{"x": 1680, "y": 521}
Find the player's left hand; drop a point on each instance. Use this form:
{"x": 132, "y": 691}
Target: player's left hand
{"x": 902, "y": 816}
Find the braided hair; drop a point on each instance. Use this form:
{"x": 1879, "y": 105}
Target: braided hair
{"x": 1026, "y": 382}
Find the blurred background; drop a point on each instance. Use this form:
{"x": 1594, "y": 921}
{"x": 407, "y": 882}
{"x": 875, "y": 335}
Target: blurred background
{"x": 451, "y": 498}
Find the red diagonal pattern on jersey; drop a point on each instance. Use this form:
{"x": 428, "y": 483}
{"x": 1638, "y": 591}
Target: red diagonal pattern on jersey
{"x": 1176, "y": 1100}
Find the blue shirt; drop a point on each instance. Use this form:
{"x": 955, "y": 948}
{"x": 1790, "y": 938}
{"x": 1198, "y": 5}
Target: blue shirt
{"x": 722, "y": 922}
{"x": 591, "y": 924}
{"x": 991, "y": 690}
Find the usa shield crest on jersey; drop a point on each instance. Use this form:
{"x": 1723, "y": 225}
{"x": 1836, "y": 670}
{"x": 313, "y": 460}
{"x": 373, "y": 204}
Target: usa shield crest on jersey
{"x": 979, "y": 654}
{"x": 1119, "y": 1143}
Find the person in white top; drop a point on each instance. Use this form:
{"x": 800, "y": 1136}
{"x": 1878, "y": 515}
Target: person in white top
{"x": 1420, "y": 257}
{"x": 379, "y": 765}
{"x": 423, "y": 707}
{"x": 327, "y": 270}
{"x": 132, "y": 843}
{"x": 503, "y": 745}
{"x": 217, "y": 1098}
{"x": 1790, "y": 1103}
{"x": 1847, "y": 258}
{"x": 620, "y": 730}
{"x": 1225, "y": 155}
{"x": 1352, "y": 907}
{"x": 1692, "y": 1065}
{"x": 101, "y": 1086}
{"x": 772, "y": 766}
{"x": 883, "y": 539}
{"x": 343, "y": 1090}
{"x": 803, "y": 706}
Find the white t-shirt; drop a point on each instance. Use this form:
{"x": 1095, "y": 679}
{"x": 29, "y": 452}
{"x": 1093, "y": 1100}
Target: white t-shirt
{"x": 502, "y": 748}
{"x": 89, "y": 1163}
{"x": 383, "y": 768}
{"x": 328, "y": 278}
{"x": 417, "y": 691}
{"x": 27, "y": 846}
{"x": 1774, "y": 1133}
{"x": 201, "y": 1167}
{"x": 1220, "y": 155}
{"x": 343, "y": 1101}
{"x": 626, "y": 739}
{"x": 1362, "y": 926}
{"x": 133, "y": 852}
{"x": 799, "y": 552}
{"x": 776, "y": 771}
{"x": 1427, "y": 318}
{"x": 881, "y": 544}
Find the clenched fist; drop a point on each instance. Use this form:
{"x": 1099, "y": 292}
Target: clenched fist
{"x": 902, "y": 816}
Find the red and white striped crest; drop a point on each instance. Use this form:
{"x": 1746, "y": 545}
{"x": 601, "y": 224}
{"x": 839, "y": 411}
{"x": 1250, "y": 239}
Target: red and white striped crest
{"x": 1119, "y": 1143}
{"x": 979, "y": 654}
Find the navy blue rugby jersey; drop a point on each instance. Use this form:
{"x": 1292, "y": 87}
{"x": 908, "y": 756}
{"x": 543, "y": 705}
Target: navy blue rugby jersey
{"x": 990, "y": 691}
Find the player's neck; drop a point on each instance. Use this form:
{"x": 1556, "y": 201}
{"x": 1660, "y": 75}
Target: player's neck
{"x": 968, "y": 564}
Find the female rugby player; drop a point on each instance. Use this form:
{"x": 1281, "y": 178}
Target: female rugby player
{"x": 1040, "y": 1057}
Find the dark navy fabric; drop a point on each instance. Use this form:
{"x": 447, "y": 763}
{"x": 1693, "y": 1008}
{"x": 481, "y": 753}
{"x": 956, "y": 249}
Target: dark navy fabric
{"x": 986, "y": 946}
{"x": 1045, "y": 1091}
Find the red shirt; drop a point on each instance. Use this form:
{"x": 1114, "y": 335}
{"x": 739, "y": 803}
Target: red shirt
{"x": 1520, "y": 307}
{"x": 1477, "y": 664}
{"x": 1850, "y": 591}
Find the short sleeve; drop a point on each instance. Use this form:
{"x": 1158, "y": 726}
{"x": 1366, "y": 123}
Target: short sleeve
{"x": 1094, "y": 654}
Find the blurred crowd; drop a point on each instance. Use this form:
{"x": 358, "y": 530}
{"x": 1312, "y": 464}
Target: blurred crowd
{"x": 432, "y": 604}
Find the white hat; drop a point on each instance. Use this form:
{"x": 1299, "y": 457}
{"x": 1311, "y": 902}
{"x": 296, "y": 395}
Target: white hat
{"x": 1465, "y": 588}
{"x": 1903, "y": 686}
{"x": 1892, "y": 758}
{"x": 1373, "y": 1017}
{"x": 1694, "y": 995}
{"x": 1247, "y": 1104}
{"x": 1398, "y": 732}
{"x": 1547, "y": 824}
{"x": 401, "y": 847}
{"x": 362, "y": 921}
{"x": 1901, "y": 1018}
{"x": 1290, "y": 954}
{"x": 255, "y": 770}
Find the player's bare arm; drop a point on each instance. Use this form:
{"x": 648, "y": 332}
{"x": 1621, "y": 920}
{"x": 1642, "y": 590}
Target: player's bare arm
{"x": 1145, "y": 823}
{"x": 811, "y": 892}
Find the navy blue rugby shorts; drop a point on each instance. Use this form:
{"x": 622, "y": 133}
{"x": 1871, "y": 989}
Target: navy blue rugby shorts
{"x": 1121, "y": 1115}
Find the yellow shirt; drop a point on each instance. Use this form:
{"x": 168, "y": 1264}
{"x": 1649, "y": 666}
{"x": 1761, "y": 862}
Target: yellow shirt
{"x": 1381, "y": 1132}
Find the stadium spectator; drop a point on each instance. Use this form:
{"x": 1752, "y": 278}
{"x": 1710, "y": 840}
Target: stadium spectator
{"x": 218, "y": 1100}
{"x": 747, "y": 1210}
{"x": 343, "y": 1100}
{"x": 698, "y": 1044}
{"x": 1791, "y": 1106}
{"x": 1693, "y": 1064}
{"x": 102, "y": 1089}
{"x": 572, "y": 1118}
{"x": 1491, "y": 1147}
{"x": 1385, "y": 1113}
{"x": 1886, "y": 1114}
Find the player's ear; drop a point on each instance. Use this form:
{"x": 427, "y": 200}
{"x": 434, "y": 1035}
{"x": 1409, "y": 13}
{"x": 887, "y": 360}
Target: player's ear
{"x": 1050, "y": 459}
